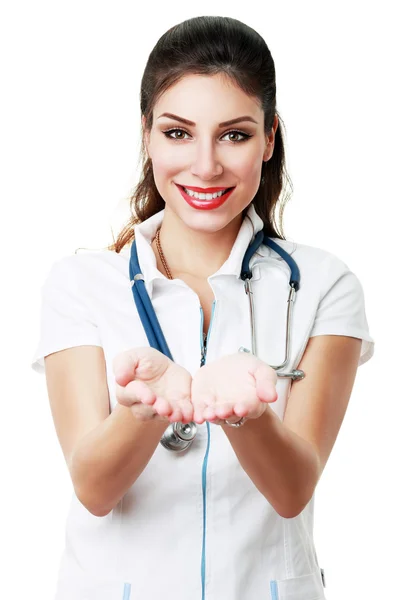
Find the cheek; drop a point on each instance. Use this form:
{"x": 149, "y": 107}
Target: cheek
{"x": 163, "y": 163}
{"x": 167, "y": 163}
{"x": 246, "y": 164}
{"x": 164, "y": 170}
{"x": 249, "y": 173}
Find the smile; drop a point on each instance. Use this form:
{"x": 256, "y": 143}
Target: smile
{"x": 206, "y": 201}
{"x": 205, "y": 195}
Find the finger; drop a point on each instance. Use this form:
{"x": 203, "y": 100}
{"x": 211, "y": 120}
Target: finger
{"x": 175, "y": 413}
{"x": 198, "y": 411}
{"x": 125, "y": 365}
{"x": 134, "y": 392}
{"x": 181, "y": 404}
{"x": 187, "y": 410}
{"x": 209, "y": 413}
{"x": 223, "y": 411}
{"x": 242, "y": 409}
{"x": 204, "y": 407}
{"x": 162, "y": 407}
{"x": 136, "y": 362}
{"x": 175, "y": 417}
{"x": 143, "y": 413}
{"x": 252, "y": 410}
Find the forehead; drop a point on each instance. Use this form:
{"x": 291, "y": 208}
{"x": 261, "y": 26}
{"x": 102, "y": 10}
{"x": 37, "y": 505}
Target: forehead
{"x": 200, "y": 95}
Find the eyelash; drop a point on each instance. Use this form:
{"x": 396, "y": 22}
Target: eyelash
{"x": 246, "y": 135}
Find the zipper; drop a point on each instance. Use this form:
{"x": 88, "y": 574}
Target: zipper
{"x": 204, "y": 341}
{"x": 204, "y": 346}
{"x": 203, "y": 349}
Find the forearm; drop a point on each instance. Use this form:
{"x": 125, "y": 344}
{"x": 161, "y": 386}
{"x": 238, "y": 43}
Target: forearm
{"x": 110, "y": 458}
{"x": 281, "y": 464}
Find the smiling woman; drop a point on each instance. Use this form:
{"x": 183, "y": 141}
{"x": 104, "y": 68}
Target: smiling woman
{"x": 205, "y": 244}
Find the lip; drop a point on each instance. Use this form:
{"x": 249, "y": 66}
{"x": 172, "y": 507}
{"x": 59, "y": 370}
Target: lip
{"x": 204, "y": 204}
{"x": 204, "y": 190}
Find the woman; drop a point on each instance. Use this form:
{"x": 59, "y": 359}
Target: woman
{"x": 230, "y": 517}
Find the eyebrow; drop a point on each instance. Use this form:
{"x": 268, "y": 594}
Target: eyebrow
{"x": 224, "y": 124}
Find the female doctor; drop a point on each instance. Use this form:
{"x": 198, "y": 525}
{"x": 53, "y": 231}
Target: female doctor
{"x": 229, "y": 514}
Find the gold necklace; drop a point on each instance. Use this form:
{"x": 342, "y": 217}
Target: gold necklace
{"x": 164, "y": 262}
{"x": 161, "y": 254}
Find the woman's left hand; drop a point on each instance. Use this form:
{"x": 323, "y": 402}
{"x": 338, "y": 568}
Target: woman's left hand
{"x": 234, "y": 386}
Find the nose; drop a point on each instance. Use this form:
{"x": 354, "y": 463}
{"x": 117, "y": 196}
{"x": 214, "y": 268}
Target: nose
{"x": 206, "y": 164}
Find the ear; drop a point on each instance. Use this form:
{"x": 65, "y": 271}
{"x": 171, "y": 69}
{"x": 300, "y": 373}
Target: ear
{"x": 270, "y": 140}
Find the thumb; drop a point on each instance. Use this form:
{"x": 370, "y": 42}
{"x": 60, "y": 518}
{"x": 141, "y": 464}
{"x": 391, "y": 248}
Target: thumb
{"x": 125, "y": 365}
{"x": 265, "y": 383}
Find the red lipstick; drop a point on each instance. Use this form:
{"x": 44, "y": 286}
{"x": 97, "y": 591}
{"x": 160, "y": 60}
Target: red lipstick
{"x": 205, "y": 204}
{"x": 204, "y": 190}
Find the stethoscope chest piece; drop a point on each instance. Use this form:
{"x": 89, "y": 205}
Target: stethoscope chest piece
{"x": 179, "y": 436}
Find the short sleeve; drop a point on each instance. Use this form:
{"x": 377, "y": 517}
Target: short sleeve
{"x": 65, "y": 319}
{"x": 341, "y": 310}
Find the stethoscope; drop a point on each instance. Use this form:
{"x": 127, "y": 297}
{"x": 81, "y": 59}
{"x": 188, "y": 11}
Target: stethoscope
{"x": 179, "y": 436}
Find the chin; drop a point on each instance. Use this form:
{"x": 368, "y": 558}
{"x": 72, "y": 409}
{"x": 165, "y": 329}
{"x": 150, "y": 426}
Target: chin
{"x": 207, "y": 221}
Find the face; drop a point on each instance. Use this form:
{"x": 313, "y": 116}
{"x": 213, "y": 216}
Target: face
{"x": 206, "y": 154}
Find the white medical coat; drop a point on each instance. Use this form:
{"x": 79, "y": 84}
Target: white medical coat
{"x": 194, "y": 525}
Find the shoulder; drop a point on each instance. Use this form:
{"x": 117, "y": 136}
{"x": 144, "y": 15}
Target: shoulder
{"x": 332, "y": 290}
{"x": 88, "y": 266}
{"x": 314, "y": 263}
{"x": 307, "y": 255}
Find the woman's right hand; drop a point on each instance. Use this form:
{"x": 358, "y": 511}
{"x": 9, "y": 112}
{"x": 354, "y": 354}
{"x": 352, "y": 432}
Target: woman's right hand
{"x": 147, "y": 380}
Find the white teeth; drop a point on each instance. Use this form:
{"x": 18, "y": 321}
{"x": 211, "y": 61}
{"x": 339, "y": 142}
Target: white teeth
{"x": 204, "y": 196}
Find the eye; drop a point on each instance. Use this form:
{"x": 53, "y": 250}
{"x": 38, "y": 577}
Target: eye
{"x": 245, "y": 136}
{"x": 170, "y": 131}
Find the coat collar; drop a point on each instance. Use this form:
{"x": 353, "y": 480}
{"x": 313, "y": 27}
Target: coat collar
{"x": 146, "y": 231}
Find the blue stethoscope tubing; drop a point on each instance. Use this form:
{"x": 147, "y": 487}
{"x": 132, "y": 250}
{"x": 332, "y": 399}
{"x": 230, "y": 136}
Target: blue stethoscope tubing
{"x": 179, "y": 436}
{"x": 146, "y": 310}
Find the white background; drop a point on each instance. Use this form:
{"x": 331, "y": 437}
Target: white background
{"x": 70, "y": 115}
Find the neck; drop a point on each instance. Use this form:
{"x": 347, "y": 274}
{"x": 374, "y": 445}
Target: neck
{"x": 192, "y": 253}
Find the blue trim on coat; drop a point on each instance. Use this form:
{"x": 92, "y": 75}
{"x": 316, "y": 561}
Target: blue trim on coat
{"x": 205, "y": 460}
{"x": 204, "y": 486}
{"x": 274, "y": 590}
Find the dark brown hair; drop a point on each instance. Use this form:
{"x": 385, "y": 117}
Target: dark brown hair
{"x": 211, "y": 45}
